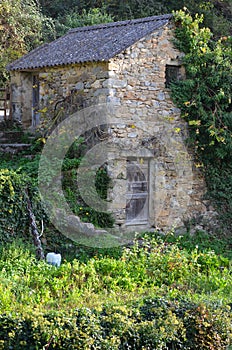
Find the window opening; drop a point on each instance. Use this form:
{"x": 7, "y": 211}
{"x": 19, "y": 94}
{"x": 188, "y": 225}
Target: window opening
{"x": 173, "y": 73}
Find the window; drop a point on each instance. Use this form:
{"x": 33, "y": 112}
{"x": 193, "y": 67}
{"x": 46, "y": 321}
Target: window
{"x": 173, "y": 73}
{"x": 137, "y": 191}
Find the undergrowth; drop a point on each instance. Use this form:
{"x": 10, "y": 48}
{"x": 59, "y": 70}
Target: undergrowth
{"x": 153, "y": 295}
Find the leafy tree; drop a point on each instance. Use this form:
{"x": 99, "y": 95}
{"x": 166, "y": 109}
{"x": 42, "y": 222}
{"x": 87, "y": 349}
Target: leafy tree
{"x": 21, "y": 29}
{"x": 217, "y": 13}
{"x": 129, "y": 9}
{"x": 59, "y": 8}
{"x": 217, "y": 16}
{"x": 205, "y": 100}
{"x": 74, "y": 19}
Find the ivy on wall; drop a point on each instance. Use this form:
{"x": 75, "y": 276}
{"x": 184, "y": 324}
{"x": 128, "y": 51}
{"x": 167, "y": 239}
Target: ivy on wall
{"x": 13, "y": 201}
{"x": 204, "y": 98}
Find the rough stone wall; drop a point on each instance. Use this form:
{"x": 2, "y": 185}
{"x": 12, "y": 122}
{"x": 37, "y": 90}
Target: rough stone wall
{"x": 67, "y": 88}
{"x": 153, "y": 131}
{"x": 56, "y": 84}
{"x": 21, "y": 87}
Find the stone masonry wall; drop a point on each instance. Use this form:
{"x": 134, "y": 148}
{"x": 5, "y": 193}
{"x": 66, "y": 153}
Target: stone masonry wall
{"x": 64, "y": 87}
{"x": 85, "y": 80}
{"x": 21, "y": 87}
{"x": 137, "y": 81}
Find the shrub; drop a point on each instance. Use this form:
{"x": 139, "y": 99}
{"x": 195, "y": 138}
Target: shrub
{"x": 204, "y": 98}
{"x": 13, "y": 201}
{"x": 134, "y": 301}
{"x": 151, "y": 324}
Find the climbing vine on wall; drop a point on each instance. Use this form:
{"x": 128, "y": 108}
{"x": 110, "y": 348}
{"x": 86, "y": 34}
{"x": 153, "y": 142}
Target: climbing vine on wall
{"x": 204, "y": 98}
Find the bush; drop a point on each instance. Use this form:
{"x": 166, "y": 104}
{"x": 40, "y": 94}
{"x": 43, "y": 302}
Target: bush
{"x": 151, "y": 324}
{"x": 14, "y": 220}
{"x": 204, "y": 98}
{"x": 156, "y": 296}
{"x": 19, "y": 175}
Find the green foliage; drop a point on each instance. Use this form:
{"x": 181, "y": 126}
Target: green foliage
{"x": 77, "y": 204}
{"x": 12, "y": 201}
{"x": 217, "y": 14}
{"x": 102, "y": 182}
{"x": 59, "y": 7}
{"x": 73, "y": 19}
{"x": 14, "y": 221}
{"x": 152, "y": 297}
{"x": 20, "y": 173}
{"x": 220, "y": 244}
{"x": 119, "y": 328}
{"x": 205, "y": 101}
{"x": 130, "y": 9}
{"x": 154, "y": 268}
{"x": 21, "y": 29}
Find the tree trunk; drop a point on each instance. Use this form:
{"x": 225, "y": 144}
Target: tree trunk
{"x": 34, "y": 230}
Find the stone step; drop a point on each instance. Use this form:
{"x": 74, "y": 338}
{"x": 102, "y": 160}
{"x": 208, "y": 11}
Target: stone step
{"x": 11, "y": 136}
{"x": 14, "y": 148}
{"x": 3, "y": 140}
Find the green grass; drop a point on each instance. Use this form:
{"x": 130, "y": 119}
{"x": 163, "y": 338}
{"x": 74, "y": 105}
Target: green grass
{"x": 220, "y": 243}
{"x": 155, "y": 269}
{"x": 154, "y": 295}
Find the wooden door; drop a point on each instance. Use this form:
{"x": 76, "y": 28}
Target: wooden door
{"x": 35, "y": 101}
{"x": 137, "y": 191}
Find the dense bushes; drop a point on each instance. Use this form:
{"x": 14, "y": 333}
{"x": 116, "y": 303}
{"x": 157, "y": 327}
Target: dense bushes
{"x": 205, "y": 101}
{"x": 156, "y": 296}
{"x": 150, "y": 324}
{"x": 14, "y": 219}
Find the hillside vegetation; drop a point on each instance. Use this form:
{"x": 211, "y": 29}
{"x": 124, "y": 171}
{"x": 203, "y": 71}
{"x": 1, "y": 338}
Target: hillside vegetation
{"x": 156, "y": 295}
{"x": 163, "y": 291}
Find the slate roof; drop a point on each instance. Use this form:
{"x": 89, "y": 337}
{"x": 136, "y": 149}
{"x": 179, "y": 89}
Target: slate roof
{"x": 90, "y": 43}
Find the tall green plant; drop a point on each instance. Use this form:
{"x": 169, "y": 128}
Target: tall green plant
{"x": 14, "y": 220}
{"x": 73, "y": 19}
{"x": 22, "y": 28}
{"x": 205, "y": 101}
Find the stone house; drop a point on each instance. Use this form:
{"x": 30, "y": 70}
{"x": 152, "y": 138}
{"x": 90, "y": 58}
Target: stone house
{"x": 125, "y": 64}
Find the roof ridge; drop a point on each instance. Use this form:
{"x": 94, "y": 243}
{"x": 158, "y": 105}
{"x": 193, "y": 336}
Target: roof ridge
{"x": 120, "y": 23}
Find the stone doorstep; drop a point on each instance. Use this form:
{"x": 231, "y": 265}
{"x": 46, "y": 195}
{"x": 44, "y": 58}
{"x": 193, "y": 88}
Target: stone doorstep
{"x": 11, "y": 136}
{"x": 15, "y": 145}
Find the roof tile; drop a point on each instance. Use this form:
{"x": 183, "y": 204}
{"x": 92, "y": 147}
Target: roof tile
{"x": 90, "y": 43}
